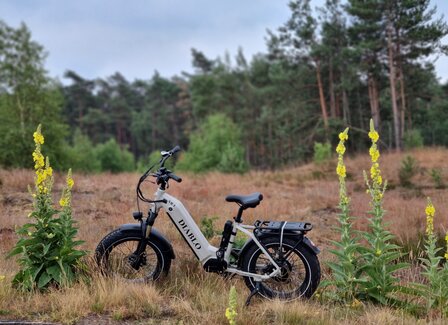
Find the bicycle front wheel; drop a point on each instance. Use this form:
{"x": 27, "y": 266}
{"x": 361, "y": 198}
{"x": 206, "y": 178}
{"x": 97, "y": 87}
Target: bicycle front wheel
{"x": 116, "y": 255}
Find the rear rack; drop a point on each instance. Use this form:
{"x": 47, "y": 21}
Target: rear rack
{"x": 283, "y": 226}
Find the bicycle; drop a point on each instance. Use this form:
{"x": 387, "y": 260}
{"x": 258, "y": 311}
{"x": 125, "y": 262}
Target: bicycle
{"x": 277, "y": 260}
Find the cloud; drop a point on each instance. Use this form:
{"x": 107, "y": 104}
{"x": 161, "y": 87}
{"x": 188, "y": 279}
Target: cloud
{"x": 96, "y": 38}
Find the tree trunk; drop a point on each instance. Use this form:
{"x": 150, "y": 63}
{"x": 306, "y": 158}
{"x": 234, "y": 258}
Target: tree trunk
{"x": 345, "y": 107}
{"x": 373, "y": 98}
{"x": 332, "y": 96}
{"x": 392, "y": 80}
{"x": 403, "y": 99}
{"x": 358, "y": 101}
{"x": 321, "y": 95}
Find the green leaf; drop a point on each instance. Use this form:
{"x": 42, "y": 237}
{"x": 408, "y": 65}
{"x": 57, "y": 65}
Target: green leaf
{"x": 55, "y": 272}
{"x": 44, "y": 279}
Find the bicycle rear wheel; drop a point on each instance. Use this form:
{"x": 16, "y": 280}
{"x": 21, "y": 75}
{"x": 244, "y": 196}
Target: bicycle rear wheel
{"x": 300, "y": 271}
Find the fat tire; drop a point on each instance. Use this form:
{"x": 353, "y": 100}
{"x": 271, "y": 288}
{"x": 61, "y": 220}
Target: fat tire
{"x": 116, "y": 237}
{"x": 307, "y": 257}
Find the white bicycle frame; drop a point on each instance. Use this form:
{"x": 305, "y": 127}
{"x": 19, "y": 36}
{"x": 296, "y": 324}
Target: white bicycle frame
{"x": 188, "y": 228}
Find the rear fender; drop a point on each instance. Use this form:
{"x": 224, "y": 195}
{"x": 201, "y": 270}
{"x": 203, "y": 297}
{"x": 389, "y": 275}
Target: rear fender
{"x": 154, "y": 236}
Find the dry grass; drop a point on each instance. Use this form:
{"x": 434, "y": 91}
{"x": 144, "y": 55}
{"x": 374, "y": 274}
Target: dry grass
{"x": 189, "y": 295}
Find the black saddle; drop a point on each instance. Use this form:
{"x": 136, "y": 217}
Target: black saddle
{"x": 246, "y": 201}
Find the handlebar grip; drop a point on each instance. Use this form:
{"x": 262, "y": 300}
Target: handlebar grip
{"x": 175, "y": 177}
{"x": 175, "y": 149}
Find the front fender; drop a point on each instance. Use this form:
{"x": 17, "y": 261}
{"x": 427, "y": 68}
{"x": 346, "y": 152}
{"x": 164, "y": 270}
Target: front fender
{"x": 154, "y": 236}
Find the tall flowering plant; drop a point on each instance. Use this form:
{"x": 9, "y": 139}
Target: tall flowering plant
{"x": 231, "y": 312}
{"x": 436, "y": 291}
{"x": 345, "y": 273}
{"x": 380, "y": 256}
{"x": 46, "y": 246}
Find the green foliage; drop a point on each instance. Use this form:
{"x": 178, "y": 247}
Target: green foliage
{"x": 113, "y": 158}
{"x": 26, "y": 96}
{"x": 437, "y": 177}
{"x": 239, "y": 240}
{"x": 207, "y": 226}
{"x": 322, "y": 152}
{"x": 47, "y": 246}
{"x": 413, "y": 139}
{"x": 144, "y": 163}
{"x": 216, "y": 146}
{"x": 82, "y": 155}
{"x": 408, "y": 169}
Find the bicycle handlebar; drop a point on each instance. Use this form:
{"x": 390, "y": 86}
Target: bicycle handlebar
{"x": 175, "y": 177}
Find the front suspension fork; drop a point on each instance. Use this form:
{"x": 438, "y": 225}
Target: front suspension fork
{"x": 146, "y": 226}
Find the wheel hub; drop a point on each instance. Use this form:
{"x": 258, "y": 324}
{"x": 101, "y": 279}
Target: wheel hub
{"x": 137, "y": 261}
{"x": 285, "y": 271}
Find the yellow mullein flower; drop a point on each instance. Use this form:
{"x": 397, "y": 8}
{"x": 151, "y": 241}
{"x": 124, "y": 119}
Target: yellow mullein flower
{"x": 340, "y": 170}
{"x": 374, "y": 153}
{"x": 430, "y": 212}
{"x": 38, "y": 137}
{"x": 446, "y": 252}
{"x": 231, "y": 310}
{"x": 340, "y": 149}
{"x": 38, "y": 158}
{"x": 343, "y": 136}
{"x": 373, "y": 135}
{"x": 63, "y": 202}
{"x": 70, "y": 181}
{"x": 2, "y": 277}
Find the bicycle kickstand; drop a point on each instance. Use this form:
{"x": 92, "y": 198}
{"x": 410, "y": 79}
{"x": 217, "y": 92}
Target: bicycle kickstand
{"x": 254, "y": 291}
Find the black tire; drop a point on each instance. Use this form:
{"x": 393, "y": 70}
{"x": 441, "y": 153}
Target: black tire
{"x": 301, "y": 263}
{"x": 114, "y": 252}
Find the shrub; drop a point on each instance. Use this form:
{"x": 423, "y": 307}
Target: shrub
{"x": 413, "y": 139}
{"x": 46, "y": 247}
{"x": 144, "y": 163}
{"x": 322, "y": 152}
{"x": 436, "y": 175}
{"x": 408, "y": 170}
{"x": 114, "y": 159}
{"x": 207, "y": 226}
{"x": 82, "y": 155}
{"x": 215, "y": 146}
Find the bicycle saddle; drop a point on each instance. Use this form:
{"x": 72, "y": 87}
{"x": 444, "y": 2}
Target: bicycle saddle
{"x": 246, "y": 201}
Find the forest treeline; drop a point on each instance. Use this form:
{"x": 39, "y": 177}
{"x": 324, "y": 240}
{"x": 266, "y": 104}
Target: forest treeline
{"x": 324, "y": 68}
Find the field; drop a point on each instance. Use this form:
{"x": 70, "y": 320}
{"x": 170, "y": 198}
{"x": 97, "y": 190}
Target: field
{"x": 190, "y": 296}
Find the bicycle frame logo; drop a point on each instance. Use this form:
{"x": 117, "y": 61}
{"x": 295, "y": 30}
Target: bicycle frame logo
{"x": 189, "y": 234}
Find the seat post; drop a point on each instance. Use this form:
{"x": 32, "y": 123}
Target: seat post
{"x": 239, "y": 215}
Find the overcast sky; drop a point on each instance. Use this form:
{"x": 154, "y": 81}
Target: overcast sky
{"x": 136, "y": 37}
